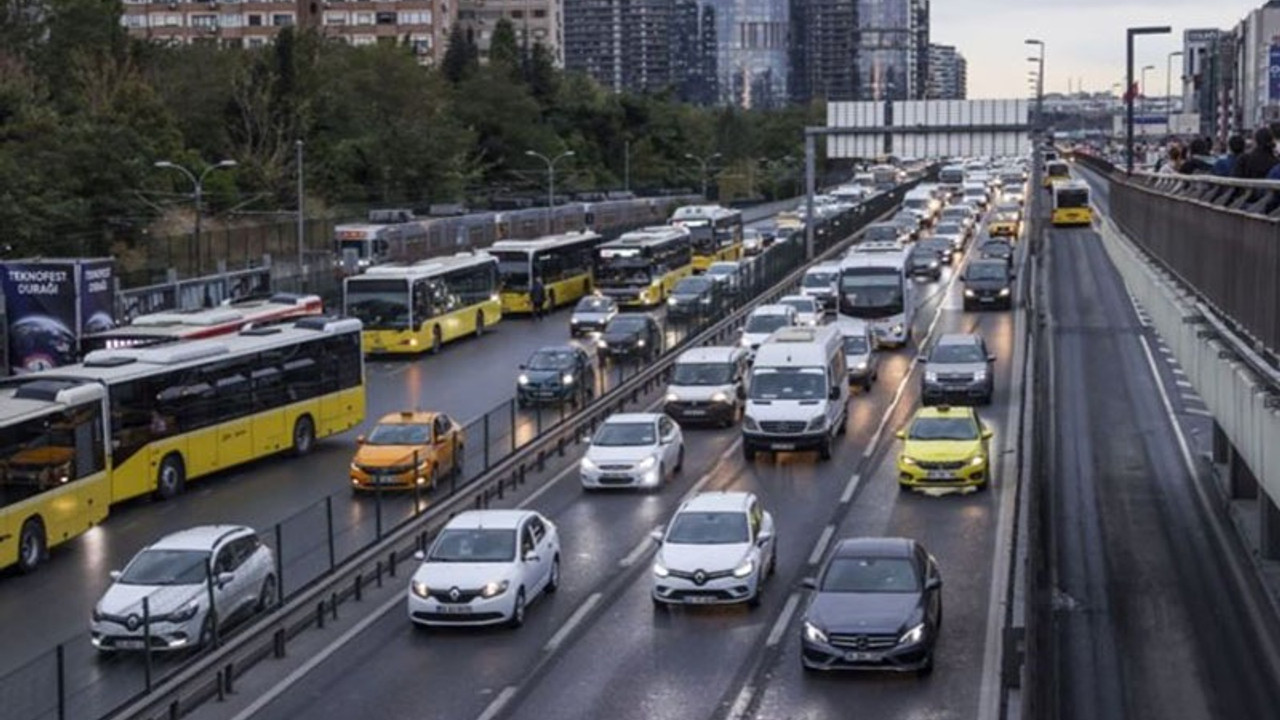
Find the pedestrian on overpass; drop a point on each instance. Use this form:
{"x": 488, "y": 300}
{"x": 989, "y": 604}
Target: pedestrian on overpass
{"x": 1198, "y": 160}
{"x": 1225, "y": 166}
{"x": 1255, "y": 164}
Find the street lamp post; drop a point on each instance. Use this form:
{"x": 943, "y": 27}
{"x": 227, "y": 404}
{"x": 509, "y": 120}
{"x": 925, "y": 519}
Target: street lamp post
{"x": 1039, "y": 60}
{"x": 1143, "y": 88}
{"x": 1168, "y": 87}
{"x": 198, "y": 183}
{"x": 702, "y": 163}
{"x": 1130, "y": 34}
{"x": 551, "y": 180}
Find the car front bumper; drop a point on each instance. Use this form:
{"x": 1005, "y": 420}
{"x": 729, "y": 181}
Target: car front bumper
{"x": 942, "y": 392}
{"x": 935, "y": 475}
{"x": 759, "y": 440}
{"x": 695, "y": 411}
{"x": 108, "y": 635}
{"x": 900, "y": 658}
{"x": 725, "y": 590}
{"x": 477, "y": 611}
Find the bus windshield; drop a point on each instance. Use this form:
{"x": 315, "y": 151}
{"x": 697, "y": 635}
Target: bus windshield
{"x": 513, "y": 269}
{"x": 1072, "y": 198}
{"x": 623, "y": 271}
{"x": 379, "y": 304}
{"x": 869, "y": 295}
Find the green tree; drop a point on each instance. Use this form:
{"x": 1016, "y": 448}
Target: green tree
{"x": 461, "y": 57}
{"x": 504, "y": 50}
{"x": 541, "y": 75}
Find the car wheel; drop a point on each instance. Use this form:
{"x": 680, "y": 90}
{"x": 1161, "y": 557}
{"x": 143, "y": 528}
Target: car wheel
{"x": 553, "y": 580}
{"x": 748, "y": 453}
{"x": 866, "y": 384}
{"x": 927, "y": 669}
{"x": 517, "y": 612}
{"x": 680, "y": 459}
{"x": 206, "y": 631}
{"x": 459, "y": 460}
{"x": 480, "y": 323}
{"x": 304, "y": 435}
{"x": 267, "y": 595}
{"x": 825, "y": 449}
{"x": 773, "y": 559}
{"x": 32, "y": 545}
{"x": 171, "y": 478}
{"x": 755, "y": 599}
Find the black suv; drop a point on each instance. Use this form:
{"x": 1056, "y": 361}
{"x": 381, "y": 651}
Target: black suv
{"x": 632, "y": 336}
{"x": 695, "y": 298}
{"x": 988, "y": 283}
{"x": 556, "y": 374}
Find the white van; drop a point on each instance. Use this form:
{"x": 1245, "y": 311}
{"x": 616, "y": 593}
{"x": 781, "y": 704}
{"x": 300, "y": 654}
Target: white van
{"x": 708, "y": 385}
{"x": 798, "y": 395}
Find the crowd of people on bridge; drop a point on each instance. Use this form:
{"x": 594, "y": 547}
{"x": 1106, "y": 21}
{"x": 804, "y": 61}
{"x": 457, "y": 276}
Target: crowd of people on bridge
{"x": 1250, "y": 160}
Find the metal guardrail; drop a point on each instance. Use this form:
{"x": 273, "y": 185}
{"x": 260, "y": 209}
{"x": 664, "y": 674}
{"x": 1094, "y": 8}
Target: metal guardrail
{"x": 1220, "y": 237}
{"x": 214, "y": 673}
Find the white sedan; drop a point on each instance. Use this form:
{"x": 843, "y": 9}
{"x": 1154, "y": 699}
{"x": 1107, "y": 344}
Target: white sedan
{"x": 718, "y": 549}
{"x": 633, "y": 450}
{"x": 484, "y": 568}
{"x": 808, "y": 311}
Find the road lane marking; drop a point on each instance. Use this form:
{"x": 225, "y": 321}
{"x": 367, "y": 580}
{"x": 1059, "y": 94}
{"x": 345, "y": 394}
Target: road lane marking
{"x": 734, "y": 447}
{"x": 820, "y": 547}
{"x": 311, "y": 664}
{"x": 742, "y": 702}
{"x": 547, "y": 486}
{"x": 498, "y": 703}
{"x": 1185, "y": 384}
{"x": 850, "y": 488}
{"x": 574, "y": 620}
{"x": 784, "y": 620}
{"x": 639, "y": 551}
{"x": 1197, "y": 412}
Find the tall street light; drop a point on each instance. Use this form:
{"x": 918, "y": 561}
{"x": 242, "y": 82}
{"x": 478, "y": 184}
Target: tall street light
{"x": 1130, "y": 34}
{"x": 1143, "y": 89}
{"x": 1168, "y": 87}
{"x": 1039, "y": 60}
{"x": 551, "y": 180}
{"x": 198, "y": 182}
{"x": 702, "y": 163}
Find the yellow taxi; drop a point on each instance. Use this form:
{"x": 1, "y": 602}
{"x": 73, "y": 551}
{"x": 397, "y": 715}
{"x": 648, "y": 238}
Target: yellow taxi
{"x": 406, "y": 450}
{"x": 944, "y": 447}
{"x": 1003, "y": 224}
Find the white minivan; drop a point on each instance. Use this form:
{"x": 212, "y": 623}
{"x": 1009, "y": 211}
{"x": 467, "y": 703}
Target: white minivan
{"x": 799, "y": 391}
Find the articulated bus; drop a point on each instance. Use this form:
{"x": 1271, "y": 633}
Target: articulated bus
{"x": 230, "y": 317}
{"x": 1056, "y": 171}
{"x": 561, "y": 262}
{"x": 640, "y": 267}
{"x": 716, "y": 233}
{"x": 134, "y": 421}
{"x": 1071, "y": 204}
{"x": 410, "y": 308}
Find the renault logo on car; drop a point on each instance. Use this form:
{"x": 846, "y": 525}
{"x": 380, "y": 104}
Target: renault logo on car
{"x": 454, "y": 594}
{"x": 699, "y": 578}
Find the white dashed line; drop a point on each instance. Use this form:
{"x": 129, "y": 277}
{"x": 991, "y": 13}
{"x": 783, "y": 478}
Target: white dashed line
{"x": 780, "y": 625}
{"x": 850, "y": 489}
{"x": 1197, "y": 412}
{"x": 1184, "y": 384}
{"x": 639, "y": 551}
{"x": 574, "y": 620}
{"x": 498, "y": 703}
{"x": 820, "y": 547}
{"x": 743, "y": 701}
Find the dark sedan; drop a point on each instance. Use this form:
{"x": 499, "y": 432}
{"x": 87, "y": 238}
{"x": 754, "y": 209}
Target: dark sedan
{"x": 994, "y": 249}
{"x": 988, "y": 283}
{"x": 876, "y": 605}
{"x": 556, "y": 374}
{"x": 632, "y": 336}
{"x": 941, "y": 247}
{"x": 694, "y": 298}
{"x": 924, "y": 263}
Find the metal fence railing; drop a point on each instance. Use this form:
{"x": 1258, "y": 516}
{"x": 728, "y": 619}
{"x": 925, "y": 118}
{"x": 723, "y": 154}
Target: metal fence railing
{"x": 1219, "y": 236}
{"x": 323, "y": 558}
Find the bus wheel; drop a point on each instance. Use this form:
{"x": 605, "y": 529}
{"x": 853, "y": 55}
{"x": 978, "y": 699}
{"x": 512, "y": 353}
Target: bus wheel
{"x": 31, "y": 545}
{"x": 435, "y": 340}
{"x": 304, "y": 435}
{"x": 171, "y": 478}
{"x": 479, "y": 323}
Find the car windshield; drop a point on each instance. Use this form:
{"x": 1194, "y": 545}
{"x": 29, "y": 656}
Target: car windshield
{"x": 594, "y": 305}
{"x": 766, "y": 323}
{"x": 948, "y": 229}
{"x": 856, "y": 345}
{"x": 702, "y": 374}
{"x": 996, "y": 248}
{"x": 802, "y": 305}
{"x": 627, "y": 324}
{"x": 943, "y": 428}
{"x": 788, "y": 384}
{"x": 474, "y": 545}
{"x": 952, "y": 354}
{"x": 870, "y": 575}
{"x": 722, "y": 269}
{"x": 708, "y": 528}
{"x": 987, "y": 271}
{"x": 624, "y": 434}
{"x": 400, "y": 434}
{"x": 822, "y": 279}
{"x": 1006, "y": 217}
{"x": 691, "y": 286}
{"x": 166, "y": 567}
{"x": 551, "y": 360}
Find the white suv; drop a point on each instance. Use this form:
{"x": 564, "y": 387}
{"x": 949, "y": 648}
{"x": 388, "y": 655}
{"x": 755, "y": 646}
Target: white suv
{"x": 718, "y": 549}
{"x": 177, "y": 575}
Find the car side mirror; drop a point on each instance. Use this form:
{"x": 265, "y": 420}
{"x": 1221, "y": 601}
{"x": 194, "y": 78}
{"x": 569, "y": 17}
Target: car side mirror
{"x": 668, "y": 439}
{"x": 834, "y": 394}
{"x": 521, "y": 366}
{"x": 360, "y": 439}
{"x": 986, "y": 433}
{"x": 922, "y": 360}
{"x": 225, "y": 579}
{"x": 656, "y": 535}
{"x": 901, "y": 434}
{"x": 809, "y": 583}
{"x": 115, "y": 574}
{"x": 764, "y": 537}
{"x": 933, "y": 583}
{"x": 420, "y": 556}
{"x": 531, "y": 557}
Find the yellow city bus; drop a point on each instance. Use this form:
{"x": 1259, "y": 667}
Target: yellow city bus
{"x": 1056, "y": 171}
{"x": 561, "y": 262}
{"x": 716, "y": 233}
{"x": 1071, "y": 204}
{"x": 411, "y": 308}
{"x": 640, "y": 267}
{"x": 134, "y": 421}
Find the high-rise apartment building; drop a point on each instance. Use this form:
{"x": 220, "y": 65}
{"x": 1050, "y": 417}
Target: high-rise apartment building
{"x": 752, "y": 42}
{"x": 423, "y": 24}
{"x": 535, "y": 22}
{"x": 860, "y": 49}
{"x": 824, "y": 49}
{"x": 948, "y": 74}
{"x": 693, "y": 52}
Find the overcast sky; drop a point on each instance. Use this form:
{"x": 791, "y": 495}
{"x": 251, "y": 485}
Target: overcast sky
{"x": 1084, "y": 39}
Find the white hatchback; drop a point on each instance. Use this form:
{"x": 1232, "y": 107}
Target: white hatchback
{"x": 762, "y": 322}
{"x": 808, "y": 310}
{"x": 718, "y": 549}
{"x": 633, "y": 450}
{"x": 484, "y": 568}
{"x": 178, "y": 576}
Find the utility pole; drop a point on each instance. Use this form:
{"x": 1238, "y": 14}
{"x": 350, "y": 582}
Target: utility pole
{"x": 302, "y": 216}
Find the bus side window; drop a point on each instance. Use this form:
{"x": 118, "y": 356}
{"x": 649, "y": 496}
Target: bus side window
{"x": 268, "y": 388}
{"x": 88, "y": 439}
{"x": 344, "y": 353}
{"x": 421, "y": 301}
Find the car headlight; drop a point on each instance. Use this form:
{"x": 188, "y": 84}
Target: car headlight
{"x": 907, "y": 460}
{"x": 573, "y": 321}
{"x": 659, "y": 569}
{"x": 671, "y": 301}
{"x": 672, "y": 397}
{"x": 860, "y": 367}
{"x": 749, "y": 423}
{"x": 930, "y": 376}
{"x": 420, "y": 589}
{"x": 816, "y": 423}
{"x": 96, "y": 615}
{"x": 355, "y": 468}
{"x": 640, "y": 342}
{"x": 977, "y": 460}
{"x": 186, "y": 612}
{"x": 720, "y": 397}
{"x": 969, "y": 293}
{"x": 813, "y": 633}
{"x": 933, "y": 264}
{"x": 566, "y": 379}
{"x": 523, "y": 379}
{"x": 896, "y": 330}
{"x": 912, "y": 636}
{"x": 602, "y": 344}
{"x": 745, "y": 342}
{"x": 494, "y": 589}
{"x": 588, "y": 465}
{"x": 1004, "y": 292}
{"x": 745, "y": 569}
{"x": 646, "y": 464}
{"x": 706, "y": 301}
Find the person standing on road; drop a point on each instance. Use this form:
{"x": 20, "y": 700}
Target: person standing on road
{"x": 537, "y": 297}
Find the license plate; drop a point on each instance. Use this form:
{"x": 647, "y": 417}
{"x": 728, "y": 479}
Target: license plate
{"x": 692, "y": 413}
{"x": 616, "y": 478}
{"x": 986, "y": 299}
{"x": 783, "y": 446}
{"x": 858, "y": 656}
{"x": 455, "y": 609}
{"x": 940, "y": 475}
{"x": 129, "y": 644}
{"x": 699, "y": 599}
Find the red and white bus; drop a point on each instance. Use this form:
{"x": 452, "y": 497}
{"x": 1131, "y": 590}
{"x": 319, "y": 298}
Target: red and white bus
{"x": 230, "y": 317}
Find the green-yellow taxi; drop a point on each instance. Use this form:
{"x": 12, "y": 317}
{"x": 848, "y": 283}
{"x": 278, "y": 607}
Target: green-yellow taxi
{"x": 945, "y": 448}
